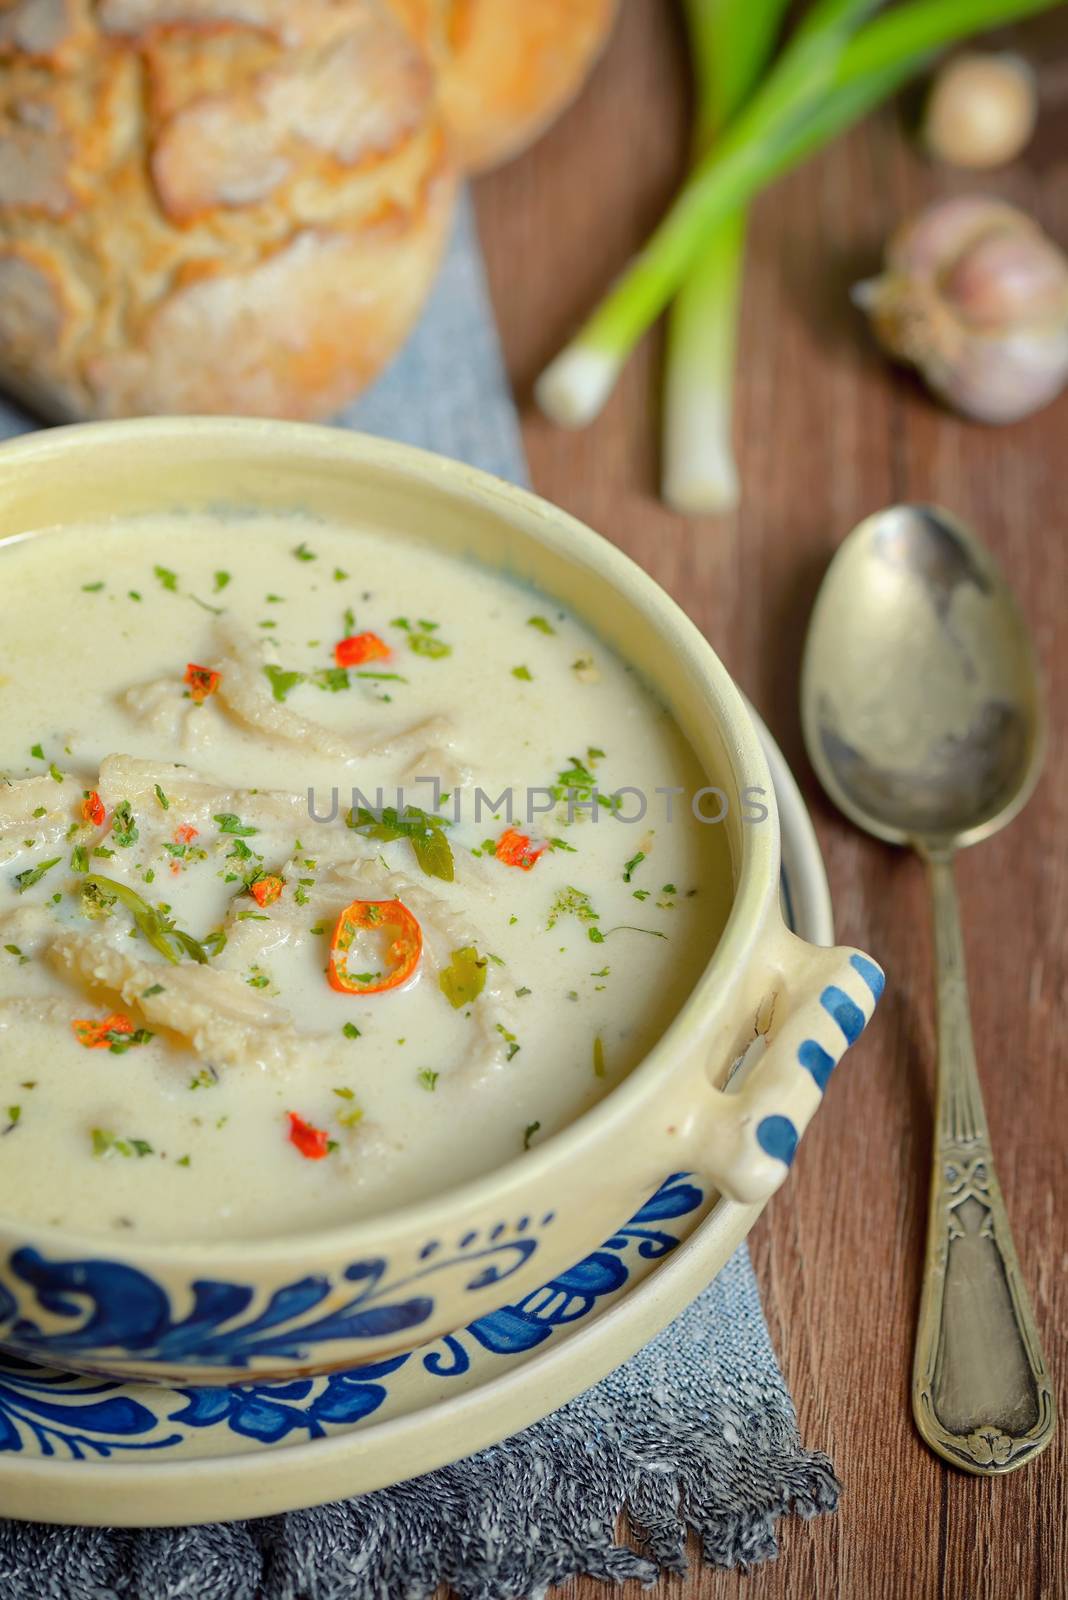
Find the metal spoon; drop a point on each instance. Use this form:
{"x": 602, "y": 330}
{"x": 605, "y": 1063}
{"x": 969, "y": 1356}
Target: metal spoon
{"x": 923, "y": 718}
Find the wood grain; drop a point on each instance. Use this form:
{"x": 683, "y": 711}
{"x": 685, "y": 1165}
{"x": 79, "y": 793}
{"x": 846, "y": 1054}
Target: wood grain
{"x": 827, "y": 433}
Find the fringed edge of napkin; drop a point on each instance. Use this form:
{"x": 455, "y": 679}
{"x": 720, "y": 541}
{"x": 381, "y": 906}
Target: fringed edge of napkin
{"x": 506, "y": 1524}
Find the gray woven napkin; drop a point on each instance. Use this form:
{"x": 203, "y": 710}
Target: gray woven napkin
{"x": 697, "y": 1431}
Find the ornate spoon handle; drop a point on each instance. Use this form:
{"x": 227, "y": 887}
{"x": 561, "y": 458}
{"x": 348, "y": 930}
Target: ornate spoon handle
{"x": 981, "y": 1393}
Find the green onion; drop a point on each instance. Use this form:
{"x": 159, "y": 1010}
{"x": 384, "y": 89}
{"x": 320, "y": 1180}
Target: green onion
{"x": 836, "y": 69}
{"x": 731, "y": 41}
{"x": 151, "y": 923}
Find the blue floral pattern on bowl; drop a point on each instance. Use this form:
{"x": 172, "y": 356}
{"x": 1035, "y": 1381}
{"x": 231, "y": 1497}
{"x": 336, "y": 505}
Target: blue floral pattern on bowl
{"x": 116, "y": 1309}
{"x": 46, "y": 1412}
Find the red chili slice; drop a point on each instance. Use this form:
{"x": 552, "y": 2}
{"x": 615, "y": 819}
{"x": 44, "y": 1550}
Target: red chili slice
{"x": 93, "y": 809}
{"x": 396, "y": 923}
{"x": 313, "y": 1143}
{"x": 514, "y": 849}
{"x": 266, "y": 890}
{"x": 202, "y": 682}
{"x": 99, "y": 1035}
{"x": 361, "y": 647}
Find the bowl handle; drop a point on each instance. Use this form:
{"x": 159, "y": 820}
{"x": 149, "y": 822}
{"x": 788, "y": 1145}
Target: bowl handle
{"x": 821, "y": 1001}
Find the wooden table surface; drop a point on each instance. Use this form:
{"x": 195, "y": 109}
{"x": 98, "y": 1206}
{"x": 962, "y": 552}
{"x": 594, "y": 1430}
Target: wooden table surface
{"x": 827, "y": 433}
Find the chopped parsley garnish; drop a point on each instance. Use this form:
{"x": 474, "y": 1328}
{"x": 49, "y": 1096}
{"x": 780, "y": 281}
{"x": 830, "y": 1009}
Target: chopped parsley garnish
{"x": 339, "y": 575}
{"x": 229, "y": 823}
{"x": 119, "y": 1043}
{"x": 36, "y": 752}
{"x": 510, "y": 1040}
{"x": 54, "y": 773}
{"x": 302, "y": 553}
{"x": 424, "y": 832}
{"x": 332, "y": 679}
{"x": 425, "y": 644}
{"x": 167, "y": 578}
{"x": 221, "y": 580}
{"x": 542, "y": 624}
{"x": 599, "y": 1068}
{"x": 26, "y": 880}
{"x": 281, "y": 681}
{"x": 351, "y": 1031}
{"x": 105, "y": 1144}
{"x": 528, "y": 1133}
{"x": 464, "y": 979}
{"x": 13, "y": 950}
{"x": 571, "y": 902}
{"x": 79, "y": 859}
{"x": 352, "y": 1117}
{"x": 133, "y": 594}
{"x": 124, "y": 829}
{"x": 40, "y": 811}
{"x": 93, "y": 588}
{"x": 162, "y": 798}
{"x": 429, "y": 1079}
{"x": 640, "y": 894}
{"x": 154, "y": 988}
{"x": 422, "y": 637}
{"x": 520, "y": 993}
{"x": 523, "y": 674}
{"x": 577, "y": 782}
{"x": 632, "y": 865}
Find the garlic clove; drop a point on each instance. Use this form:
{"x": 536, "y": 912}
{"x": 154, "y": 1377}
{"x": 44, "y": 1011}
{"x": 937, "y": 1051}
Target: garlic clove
{"x": 981, "y": 110}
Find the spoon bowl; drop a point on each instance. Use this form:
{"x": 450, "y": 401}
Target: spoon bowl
{"x": 920, "y": 692}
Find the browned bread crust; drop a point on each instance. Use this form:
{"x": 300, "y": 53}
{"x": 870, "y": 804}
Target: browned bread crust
{"x": 508, "y": 67}
{"x": 212, "y": 205}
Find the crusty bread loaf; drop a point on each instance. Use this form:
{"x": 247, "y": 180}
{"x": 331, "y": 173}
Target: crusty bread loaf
{"x": 212, "y": 205}
{"x": 508, "y": 67}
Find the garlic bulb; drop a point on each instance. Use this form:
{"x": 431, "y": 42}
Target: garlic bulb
{"x": 981, "y": 110}
{"x": 975, "y": 296}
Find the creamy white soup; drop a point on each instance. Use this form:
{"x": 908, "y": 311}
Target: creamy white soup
{"x": 230, "y": 1006}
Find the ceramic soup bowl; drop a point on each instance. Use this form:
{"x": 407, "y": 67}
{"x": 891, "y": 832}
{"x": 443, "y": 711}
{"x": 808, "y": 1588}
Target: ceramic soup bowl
{"x": 265, "y": 1308}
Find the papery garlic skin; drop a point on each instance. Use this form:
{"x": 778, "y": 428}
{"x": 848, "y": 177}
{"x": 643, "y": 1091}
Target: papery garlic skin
{"x": 981, "y": 110}
{"x": 975, "y": 296}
